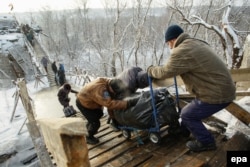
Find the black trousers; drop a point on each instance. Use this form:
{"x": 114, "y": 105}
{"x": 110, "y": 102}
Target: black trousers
{"x": 93, "y": 117}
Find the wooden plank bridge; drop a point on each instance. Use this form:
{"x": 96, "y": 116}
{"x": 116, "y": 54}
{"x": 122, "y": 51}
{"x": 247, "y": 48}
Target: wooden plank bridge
{"x": 115, "y": 151}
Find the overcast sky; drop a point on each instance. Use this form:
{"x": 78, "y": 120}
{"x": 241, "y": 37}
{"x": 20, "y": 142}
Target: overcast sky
{"x": 36, "y": 5}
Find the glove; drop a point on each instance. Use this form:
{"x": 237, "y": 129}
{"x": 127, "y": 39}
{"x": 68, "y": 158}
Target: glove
{"x": 148, "y": 70}
{"x": 132, "y": 102}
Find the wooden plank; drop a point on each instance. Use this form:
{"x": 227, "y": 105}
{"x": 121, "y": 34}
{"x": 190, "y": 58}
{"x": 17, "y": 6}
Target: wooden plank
{"x": 239, "y": 142}
{"x": 37, "y": 140}
{"x": 238, "y": 75}
{"x": 206, "y": 156}
{"x": 34, "y": 131}
{"x": 29, "y": 159}
{"x": 138, "y": 159}
{"x": 242, "y": 74}
{"x": 65, "y": 139}
{"x": 242, "y": 93}
{"x": 189, "y": 96}
{"x": 169, "y": 151}
{"x": 189, "y": 161}
{"x": 239, "y": 112}
{"x": 167, "y": 82}
{"x": 74, "y": 147}
{"x": 26, "y": 100}
{"x": 132, "y": 156}
{"x": 109, "y": 142}
{"x": 194, "y": 159}
{"x": 112, "y": 152}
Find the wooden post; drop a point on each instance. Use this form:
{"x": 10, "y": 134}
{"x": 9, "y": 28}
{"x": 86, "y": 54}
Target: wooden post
{"x": 16, "y": 102}
{"x": 65, "y": 140}
{"x": 37, "y": 139}
{"x": 22, "y": 126}
{"x": 239, "y": 112}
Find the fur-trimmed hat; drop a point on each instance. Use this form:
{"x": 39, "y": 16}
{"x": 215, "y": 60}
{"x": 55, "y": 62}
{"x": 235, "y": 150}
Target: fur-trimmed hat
{"x": 173, "y": 32}
{"x": 117, "y": 85}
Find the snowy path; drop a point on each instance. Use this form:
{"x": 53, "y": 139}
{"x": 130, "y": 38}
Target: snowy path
{"x": 47, "y": 104}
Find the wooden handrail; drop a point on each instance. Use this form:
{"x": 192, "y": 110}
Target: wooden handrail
{"x": 238, "y": 75}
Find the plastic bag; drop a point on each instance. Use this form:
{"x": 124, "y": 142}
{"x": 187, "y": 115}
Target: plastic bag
{"x": 69, "y": 111}
{"x": 141, "y": 115}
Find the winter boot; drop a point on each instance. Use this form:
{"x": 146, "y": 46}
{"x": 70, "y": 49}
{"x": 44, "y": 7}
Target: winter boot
{"x": 92, "y": 140}
{"x": 197, "y": 146}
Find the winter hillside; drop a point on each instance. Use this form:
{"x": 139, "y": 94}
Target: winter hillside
{"x": 15, "y": 139}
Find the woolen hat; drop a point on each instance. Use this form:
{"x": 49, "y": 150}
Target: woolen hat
{"x": 173, "y": 32}
{"x": 67, "y": 86}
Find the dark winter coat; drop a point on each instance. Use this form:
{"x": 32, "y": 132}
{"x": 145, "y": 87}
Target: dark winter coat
{"x": 63, "y": 94}
{"x": 44, "y": 61}
{"x": 61, "y": 74}
{"x": 204, "y": 74}
{"x": 54, "y": 67}
{"x": 133, "y": 78}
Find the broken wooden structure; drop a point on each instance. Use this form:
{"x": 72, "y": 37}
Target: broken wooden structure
{"x": 65, "y": 137}
{"x": 34, "y": 131}
{"x": 16, "y": 60}
{"x": 19, "y": 58}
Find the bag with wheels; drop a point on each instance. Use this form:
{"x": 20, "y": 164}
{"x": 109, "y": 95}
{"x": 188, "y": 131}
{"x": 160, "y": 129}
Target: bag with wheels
{"x": 140, "y": 116}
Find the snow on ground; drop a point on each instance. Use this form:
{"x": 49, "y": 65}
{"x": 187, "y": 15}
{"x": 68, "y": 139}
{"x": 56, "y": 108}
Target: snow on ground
{"x": 233, "y": 123}
{"x": 15, "y": 138}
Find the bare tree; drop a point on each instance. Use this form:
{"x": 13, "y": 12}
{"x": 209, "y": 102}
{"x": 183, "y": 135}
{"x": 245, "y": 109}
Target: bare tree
{"x": 233, "y": 50}
{"x": 117, "y": 52}
{"x": 120, "y": 36}
{"x": 49, "y": 21}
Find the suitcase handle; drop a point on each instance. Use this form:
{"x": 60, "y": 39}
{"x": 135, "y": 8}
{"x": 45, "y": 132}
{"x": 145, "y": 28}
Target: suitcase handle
{"x": 153, "y": 102}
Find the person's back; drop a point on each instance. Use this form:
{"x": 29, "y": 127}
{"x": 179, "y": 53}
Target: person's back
{"x": 205, "y": 75}
{"x": 55, "y": 70}
{"x": 63, "y": 98}
{"x": 63, "y": 93}
{"x": 54, "y": 67}
{"x": 96, "y": 95}
{"x": 202, "y": 70}
{"x": 133, "y": 78}
{"x": 44, "y": 61}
